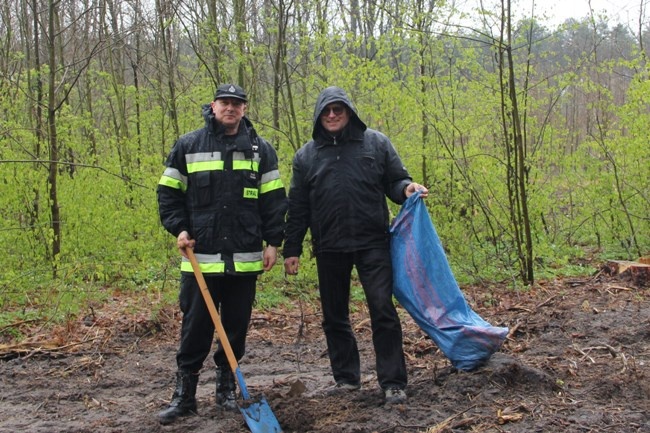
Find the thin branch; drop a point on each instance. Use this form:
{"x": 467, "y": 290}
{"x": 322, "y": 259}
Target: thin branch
{"x": 75, "y": 164}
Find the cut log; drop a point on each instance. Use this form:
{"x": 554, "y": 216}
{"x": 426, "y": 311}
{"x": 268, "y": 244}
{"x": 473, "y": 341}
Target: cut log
{"x": 637, "y": 272}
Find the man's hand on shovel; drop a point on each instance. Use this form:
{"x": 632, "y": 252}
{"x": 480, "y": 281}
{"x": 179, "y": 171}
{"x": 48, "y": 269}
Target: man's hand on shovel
{"x": 183, "y": 241}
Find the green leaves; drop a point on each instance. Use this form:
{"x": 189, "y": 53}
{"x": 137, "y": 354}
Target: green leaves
{"x": 432, "y": 87}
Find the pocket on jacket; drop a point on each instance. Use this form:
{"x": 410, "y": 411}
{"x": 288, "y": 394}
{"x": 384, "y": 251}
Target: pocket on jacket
{"x": 203, "y": 229}
{"x": 202, "y": 190}
{"x": 368, "y": 169}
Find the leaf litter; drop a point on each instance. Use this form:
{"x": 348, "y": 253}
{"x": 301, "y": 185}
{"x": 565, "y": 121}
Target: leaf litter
{"x": 577, "y": 359}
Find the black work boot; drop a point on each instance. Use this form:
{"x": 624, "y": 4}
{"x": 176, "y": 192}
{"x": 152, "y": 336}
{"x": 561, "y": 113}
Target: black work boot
{"x": 226, "y": 397}
{"x": 184, "y": 398}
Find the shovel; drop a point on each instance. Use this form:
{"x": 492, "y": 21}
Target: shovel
{"x": 257, "y": 412}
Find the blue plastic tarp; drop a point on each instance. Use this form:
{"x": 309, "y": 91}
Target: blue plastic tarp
{"x": 425, "y": 286}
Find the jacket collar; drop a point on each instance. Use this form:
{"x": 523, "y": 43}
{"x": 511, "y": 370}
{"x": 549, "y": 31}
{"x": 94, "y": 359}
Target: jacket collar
{"x": 351, "y": 133}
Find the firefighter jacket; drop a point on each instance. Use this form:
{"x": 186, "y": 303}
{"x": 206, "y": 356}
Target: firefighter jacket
{"x": 339, "y": 186}
{"x": 226, "y": 192}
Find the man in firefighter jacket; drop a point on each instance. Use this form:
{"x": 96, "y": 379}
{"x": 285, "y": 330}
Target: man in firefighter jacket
{"x": 220, "y": 194}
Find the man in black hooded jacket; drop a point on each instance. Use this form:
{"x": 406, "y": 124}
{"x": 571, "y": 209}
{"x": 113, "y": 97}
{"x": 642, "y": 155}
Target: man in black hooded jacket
{"x": 220, "y": 194}
{"x": 338, "y": 191}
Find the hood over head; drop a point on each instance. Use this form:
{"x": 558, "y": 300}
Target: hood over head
{"x": 328, "y": 96}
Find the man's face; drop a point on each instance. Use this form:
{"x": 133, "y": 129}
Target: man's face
{"x": 334, "y": 117}
{"x": 228, "y": 112}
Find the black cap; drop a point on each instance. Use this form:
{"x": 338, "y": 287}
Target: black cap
{"x": 230, "y": 91}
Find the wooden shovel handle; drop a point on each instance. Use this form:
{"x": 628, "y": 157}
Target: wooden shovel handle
{"x": 221, "y": 332}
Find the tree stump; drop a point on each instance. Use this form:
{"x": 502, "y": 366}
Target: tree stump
{"x": 637, "y": 272}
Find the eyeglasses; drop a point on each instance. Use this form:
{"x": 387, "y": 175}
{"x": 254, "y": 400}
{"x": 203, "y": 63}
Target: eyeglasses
{"x": 336, "y": 109}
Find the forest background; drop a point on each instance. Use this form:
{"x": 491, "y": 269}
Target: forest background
{"x": 533, "y": 140}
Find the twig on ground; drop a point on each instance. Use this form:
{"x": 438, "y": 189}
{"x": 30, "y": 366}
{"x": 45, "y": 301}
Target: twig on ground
{"x": 31, "y": 348}
{"x": 584, "y": 355}
{"x": 538, "y": 306}
{"x": 444, "y": 424}
{"x": 16, "y": 324}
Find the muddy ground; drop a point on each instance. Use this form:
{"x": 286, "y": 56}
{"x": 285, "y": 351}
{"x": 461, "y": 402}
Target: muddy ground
{"x": 577, "y": 360}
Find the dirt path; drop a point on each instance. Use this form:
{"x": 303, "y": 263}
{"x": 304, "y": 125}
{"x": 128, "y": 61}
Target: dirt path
{"x": 577, "y": 360}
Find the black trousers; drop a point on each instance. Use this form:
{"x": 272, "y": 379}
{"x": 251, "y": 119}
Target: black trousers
{"x": 233, "y": 297}
{"x": 375, "y": 271}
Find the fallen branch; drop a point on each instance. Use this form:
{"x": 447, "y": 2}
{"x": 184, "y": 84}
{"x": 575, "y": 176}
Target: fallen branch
{"x": 16, "y": 324}
{"x": 606, "y": 347}
{"x": 29, "y": 349}
{"x": 538, "y": 306}
{"x": 627, "y": 289}
{"x": 512, "y": 331}
{"x": 584, "y": 355}
{"x": 444, "y": 424}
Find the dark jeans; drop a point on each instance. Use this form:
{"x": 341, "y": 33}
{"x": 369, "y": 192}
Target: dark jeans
{"x": 233, "y": 297}
{"x": 376, "y": 274}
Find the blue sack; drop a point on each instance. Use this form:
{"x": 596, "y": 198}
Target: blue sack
{"x": 425, "y": 286}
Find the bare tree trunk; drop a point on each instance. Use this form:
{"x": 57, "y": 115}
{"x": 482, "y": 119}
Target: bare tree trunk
{"x": 421, "y": 25}
{"x": 321, "y": 20}
{"x": 165, "y": 15}
{"x": 277, "y": 65}
{"x": 135, "y": 67}
{"x": 52, "y": 181}
{"x": 515, "y": 145}
{"x": 117, "y": 73}
{"x": 240, "y": 31}
{"x": 293, "y": 118}
{"x": 35, "y": 81}
{"x": 86, "y": 84}
{"x": 281, "y": 78}
{"x": 213, "y": 39}
{"x": 642, "y": 22}
{"x": 6, "y": 43}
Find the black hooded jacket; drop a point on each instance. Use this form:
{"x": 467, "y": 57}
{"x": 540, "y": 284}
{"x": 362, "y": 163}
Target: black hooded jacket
{"x": 339, "y": 186}
{"x": 226, "y": 192}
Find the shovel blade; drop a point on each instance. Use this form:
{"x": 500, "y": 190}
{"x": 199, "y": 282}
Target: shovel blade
{"x": 259, "y": 416}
